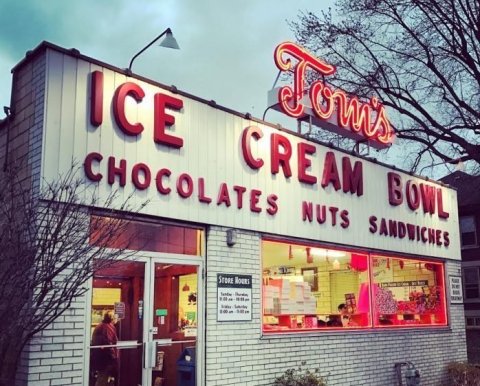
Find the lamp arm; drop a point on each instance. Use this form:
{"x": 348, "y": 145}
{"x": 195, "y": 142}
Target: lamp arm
{"x": 168, "y": 30}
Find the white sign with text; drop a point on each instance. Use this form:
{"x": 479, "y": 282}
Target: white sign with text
{"x": 234, "y": 297}
{"x": 456, "y": 292}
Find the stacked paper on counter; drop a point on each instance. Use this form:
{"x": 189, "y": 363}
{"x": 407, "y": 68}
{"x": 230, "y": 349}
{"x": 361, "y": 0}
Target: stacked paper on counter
{"x": 270, "y": 294}
{"x": 282, "y": 297}
{"x": 285, "y": 306}
{"x": 311, "y": 306}
{"x": 296, "y": 291}
{"x": 284, "y": 287}
{"x": 307, "y": 292}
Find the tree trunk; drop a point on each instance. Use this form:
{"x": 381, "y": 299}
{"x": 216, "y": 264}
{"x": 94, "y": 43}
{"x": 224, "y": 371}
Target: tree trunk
{"x": 9, "y": 360}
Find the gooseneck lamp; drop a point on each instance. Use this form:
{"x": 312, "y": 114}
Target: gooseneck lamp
{"x": 168, "y": 42}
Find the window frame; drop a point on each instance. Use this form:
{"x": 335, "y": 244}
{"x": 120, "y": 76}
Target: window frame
{"x": 373, "y": 325}
{"x": 476, "y": 322}
{"x": 464, "y": 281}
{"x": 475, "y": 233}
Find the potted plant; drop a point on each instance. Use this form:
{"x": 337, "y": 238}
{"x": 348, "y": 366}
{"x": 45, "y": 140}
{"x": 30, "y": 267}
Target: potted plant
{"x": 299, "y": 377}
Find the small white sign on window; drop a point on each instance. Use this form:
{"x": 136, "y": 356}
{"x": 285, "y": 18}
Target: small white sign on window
{"x": 456, "y": 291}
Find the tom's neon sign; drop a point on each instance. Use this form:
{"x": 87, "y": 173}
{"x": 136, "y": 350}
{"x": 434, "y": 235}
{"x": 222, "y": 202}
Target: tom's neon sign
{"x": 365, "y": 119}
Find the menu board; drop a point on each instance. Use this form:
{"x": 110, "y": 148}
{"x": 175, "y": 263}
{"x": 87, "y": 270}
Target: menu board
{"x": 401, "y": 289}
{"x": 234, "y": 297}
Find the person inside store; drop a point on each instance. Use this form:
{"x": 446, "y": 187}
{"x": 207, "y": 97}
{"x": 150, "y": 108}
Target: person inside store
{"x": 344, "y": 314}
{"x": 335, "y": 320}
{"x": 342, "y": 319}
{"x": 104, "y": 360}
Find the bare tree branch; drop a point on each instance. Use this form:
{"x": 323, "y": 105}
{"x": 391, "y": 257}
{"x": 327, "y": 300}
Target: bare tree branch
{"x": 420, "y": 57}
{"x": 50, "y": 245}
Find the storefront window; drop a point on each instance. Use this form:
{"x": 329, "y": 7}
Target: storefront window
{"x": 407, "y": 292}
{"x": 309, "y": 288}
{"x": 114, "y": 232}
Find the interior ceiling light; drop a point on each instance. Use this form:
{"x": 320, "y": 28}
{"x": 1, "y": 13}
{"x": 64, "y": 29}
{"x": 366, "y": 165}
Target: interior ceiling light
{"x": 336, "y": 264}
{"x": 320, "y": 252}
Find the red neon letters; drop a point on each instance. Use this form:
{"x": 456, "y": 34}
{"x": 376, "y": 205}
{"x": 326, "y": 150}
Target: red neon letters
{"x": 283, "y": 154}
{"x": 288, "y": 98}
{"x": 161, "y": 102}
{"x": 429, "y": 196}
{"x": 119, "y": 171}
{"x": 96, "y": 101}
{"x": 367, "y": 119}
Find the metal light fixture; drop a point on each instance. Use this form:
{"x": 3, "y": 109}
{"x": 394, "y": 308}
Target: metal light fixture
{"x": 231, "y": 237}
{"x": 168, "y": 42}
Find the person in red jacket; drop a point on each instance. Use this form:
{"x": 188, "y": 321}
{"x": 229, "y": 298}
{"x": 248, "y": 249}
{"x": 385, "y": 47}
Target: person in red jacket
{"x": 104, "y": 360}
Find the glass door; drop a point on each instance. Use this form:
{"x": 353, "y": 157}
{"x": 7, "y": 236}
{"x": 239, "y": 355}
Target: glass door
{"x": 117, "y": 325}
{"x": 144, "y": 313}
{"x": 144, "y": 324}
{"x": 172, "y": 355}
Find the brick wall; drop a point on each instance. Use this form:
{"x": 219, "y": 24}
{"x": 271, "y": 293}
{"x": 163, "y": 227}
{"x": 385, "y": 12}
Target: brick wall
{"x": 24, "y": 131}
{"x": 236, "y": 353}
{"x": 21, "y": 142}
{"x": 55, "y": 356}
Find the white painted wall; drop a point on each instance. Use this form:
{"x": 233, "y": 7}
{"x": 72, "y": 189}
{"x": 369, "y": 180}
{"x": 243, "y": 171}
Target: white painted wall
{"x": 212, "y": 151}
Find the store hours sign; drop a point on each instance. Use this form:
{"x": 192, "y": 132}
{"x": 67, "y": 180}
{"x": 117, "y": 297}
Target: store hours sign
{"x": 234, "y": 297}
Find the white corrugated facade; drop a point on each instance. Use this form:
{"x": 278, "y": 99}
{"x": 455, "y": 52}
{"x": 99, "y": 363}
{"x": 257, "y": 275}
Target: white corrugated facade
{"x": 212, "y": 151}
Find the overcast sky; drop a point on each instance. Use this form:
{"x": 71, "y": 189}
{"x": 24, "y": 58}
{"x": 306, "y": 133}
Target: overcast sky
{"x": 226, "y": 46}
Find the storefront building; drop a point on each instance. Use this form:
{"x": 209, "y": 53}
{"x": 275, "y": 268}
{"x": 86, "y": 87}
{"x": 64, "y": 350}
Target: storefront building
{"x": 252, "y": 239}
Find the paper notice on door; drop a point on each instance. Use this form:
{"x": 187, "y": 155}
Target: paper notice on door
{"x": 159, "y": 361}
{"x": 190, "y": 331}
{"x": 119, "y": 309}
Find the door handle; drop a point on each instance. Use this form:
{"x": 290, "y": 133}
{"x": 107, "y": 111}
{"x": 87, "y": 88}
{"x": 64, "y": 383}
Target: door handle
{"x": 164, "y": 342}
{"x": 150, "y": 351}
{"x": 149, "y": 354}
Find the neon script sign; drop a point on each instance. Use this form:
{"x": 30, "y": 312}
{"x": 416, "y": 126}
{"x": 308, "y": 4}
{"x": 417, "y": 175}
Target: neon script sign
{"x": 365, "y": 119}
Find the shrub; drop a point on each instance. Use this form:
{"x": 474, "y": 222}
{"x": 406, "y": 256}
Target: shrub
{"x": 299, "y": 377}
{"x": 463, "y": 374}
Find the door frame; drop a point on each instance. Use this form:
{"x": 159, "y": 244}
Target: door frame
{"x": 150, "y": 259}
{"x": 148, "y": 308}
